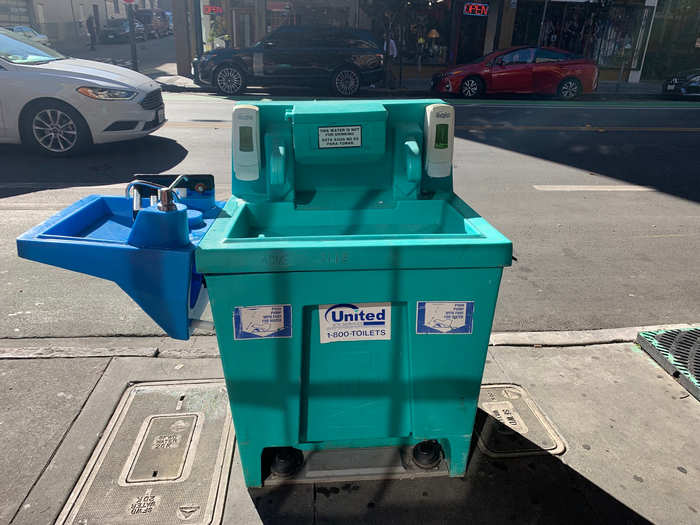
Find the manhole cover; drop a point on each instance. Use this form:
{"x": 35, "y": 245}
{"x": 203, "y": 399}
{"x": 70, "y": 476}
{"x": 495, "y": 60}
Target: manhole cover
{"x": 164, "y": 458}
{"x": 509, "y": 424}
{"x": 678, "y": 352}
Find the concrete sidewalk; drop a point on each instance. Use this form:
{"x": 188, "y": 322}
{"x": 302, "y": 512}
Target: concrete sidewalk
{"x": 630, "y": 433}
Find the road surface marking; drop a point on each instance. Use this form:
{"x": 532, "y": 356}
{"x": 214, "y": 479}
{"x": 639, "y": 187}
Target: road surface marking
{"x": 591, "y": 104}
{"x": 598, "y": 129}
{"x": 591, "y": 187}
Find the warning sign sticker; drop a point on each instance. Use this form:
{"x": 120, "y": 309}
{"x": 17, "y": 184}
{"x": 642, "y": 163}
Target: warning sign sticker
{"x": 262, "y": 322}
{"x": 354, "y": 322}
{"x": 444, "y": 317}
{"x": 340, "y": 137}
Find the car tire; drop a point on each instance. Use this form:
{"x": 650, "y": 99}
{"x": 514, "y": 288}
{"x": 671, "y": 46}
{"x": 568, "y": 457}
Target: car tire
{"x": 471, "y": 87}
{"x": 229, "y": 79}
{"x": 54, "y": 128}
{"x": 569, "y": 89}
{"x": 345, "y": 82}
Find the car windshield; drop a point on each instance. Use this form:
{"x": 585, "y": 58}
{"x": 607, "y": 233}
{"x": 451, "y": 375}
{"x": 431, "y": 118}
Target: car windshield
{"x": 18, "y": 50}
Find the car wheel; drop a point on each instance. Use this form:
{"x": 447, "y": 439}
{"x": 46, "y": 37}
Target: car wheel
{"x": 54, "y": 128}
{"x": 345, "y": 82}
{"x": 569, "y": 89}
{"x": 471, "y": 87}
{"x": 229, "y": 79}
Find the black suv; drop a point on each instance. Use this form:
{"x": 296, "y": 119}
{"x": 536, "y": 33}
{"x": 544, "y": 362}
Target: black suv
{"x": 342, "y": 58}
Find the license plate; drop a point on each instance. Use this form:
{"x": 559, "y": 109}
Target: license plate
{"x": 110, "y": 36}
{"x": 160, "y": 115}
{"x": 670, "y": 87}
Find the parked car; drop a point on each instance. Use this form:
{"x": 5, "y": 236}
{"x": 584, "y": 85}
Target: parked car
{"x": 683, "y": 84}
{"x": 544, "y": 70}
{"x": 342, "y": 58}
{"x": 30, "y": 34}
{"x": 117, "y": 30}
{"x": 155, "y": 21}
{"x": 59, "y": 106}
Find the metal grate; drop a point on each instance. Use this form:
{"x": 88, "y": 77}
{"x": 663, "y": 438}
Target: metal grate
{"x": 153, "y": 100}
{"x": 678, "y": 352}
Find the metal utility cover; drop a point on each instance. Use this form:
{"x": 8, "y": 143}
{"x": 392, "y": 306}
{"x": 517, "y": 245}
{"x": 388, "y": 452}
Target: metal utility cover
{"x": 509, "y": 424}
{"x": 678, "y": 352}
{"x": 164, "y": 458}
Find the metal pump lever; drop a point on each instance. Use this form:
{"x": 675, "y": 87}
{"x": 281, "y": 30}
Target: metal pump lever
{"x": 166, "y": 201}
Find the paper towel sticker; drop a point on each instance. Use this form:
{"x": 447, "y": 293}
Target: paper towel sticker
{"x": 262, "y": 322}
{"x": 444, "y": 317}
{"x": 354, "y": 322}
{"x": 340, "y": 137}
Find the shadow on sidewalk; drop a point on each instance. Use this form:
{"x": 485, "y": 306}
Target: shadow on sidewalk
{"x": 27, "y": 172}
{"x": 534, "y": 489}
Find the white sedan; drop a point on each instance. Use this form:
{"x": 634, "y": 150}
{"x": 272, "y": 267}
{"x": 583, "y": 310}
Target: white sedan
{"x": 59, "y": 106}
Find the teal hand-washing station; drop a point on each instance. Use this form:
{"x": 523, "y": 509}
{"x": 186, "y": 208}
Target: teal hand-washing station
{"x": 352, "y": 291}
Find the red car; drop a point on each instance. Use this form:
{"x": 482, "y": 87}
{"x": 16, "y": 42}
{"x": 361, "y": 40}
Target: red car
{"x": 543, "y": 70}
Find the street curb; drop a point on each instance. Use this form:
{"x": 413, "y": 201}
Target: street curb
{"x": 200, "y": 346}
{"x": 576, "y": 338}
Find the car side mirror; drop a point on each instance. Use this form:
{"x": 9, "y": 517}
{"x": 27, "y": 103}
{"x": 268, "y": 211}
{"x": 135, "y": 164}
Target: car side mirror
{"x": 498, "y": 61}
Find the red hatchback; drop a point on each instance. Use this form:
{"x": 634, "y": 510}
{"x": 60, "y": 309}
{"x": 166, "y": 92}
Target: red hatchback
{"x": 543, "y": 70}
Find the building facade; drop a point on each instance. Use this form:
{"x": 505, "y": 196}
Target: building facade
{"x": 16, "y": 12}
{"x": 433, "y": 34}
{"x": 65, "y": 21}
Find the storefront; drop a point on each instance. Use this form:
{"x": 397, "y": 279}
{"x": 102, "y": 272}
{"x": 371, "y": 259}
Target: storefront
{"x": 613, "y": 34}
{"x": 429, "y": 34}
{"x": 674, "y": 44}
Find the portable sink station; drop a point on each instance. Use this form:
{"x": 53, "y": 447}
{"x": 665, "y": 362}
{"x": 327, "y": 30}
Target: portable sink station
{"x": 352, "y": 291}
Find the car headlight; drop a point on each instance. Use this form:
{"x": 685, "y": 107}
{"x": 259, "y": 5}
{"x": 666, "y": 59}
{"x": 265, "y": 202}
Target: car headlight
{"x": 106, "y": 93}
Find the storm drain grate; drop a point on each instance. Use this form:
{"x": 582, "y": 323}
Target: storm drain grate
{"x": 678, "y": 352}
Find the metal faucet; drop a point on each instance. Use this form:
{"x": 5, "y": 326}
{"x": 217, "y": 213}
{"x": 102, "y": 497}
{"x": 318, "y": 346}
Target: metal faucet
{"x": 166, "y": 195}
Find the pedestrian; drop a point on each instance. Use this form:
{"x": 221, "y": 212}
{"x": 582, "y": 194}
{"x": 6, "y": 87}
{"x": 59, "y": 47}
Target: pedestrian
{"x": 391, "y": 56}
{"x": 92, "y": 32}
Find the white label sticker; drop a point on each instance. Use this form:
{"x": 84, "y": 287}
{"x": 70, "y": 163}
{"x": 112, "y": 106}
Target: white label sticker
{"x": 503, "y": 412}
{"x": 261, "y": 322}
{"x": 340, "y": 137}
{"x": 354, "y": 322}
{"x": 444, "y": 317}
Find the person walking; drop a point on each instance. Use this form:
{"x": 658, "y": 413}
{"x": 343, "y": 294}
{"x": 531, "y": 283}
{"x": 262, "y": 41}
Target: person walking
{"x": 391, "y": 58}
{"x": 92, "y": 31}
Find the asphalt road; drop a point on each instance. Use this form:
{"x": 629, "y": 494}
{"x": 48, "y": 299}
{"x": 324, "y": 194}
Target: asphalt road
{"x": 601, "y": 200}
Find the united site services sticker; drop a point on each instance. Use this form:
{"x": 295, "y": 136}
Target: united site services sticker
{"x": 444, "y": 317}
{"x": 262, "y": 322}
{"x": 354, "y": 322}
